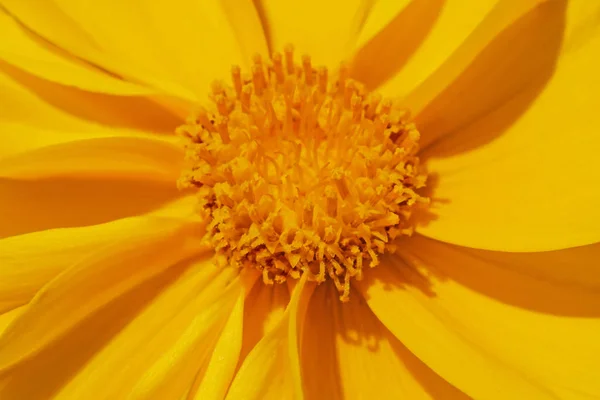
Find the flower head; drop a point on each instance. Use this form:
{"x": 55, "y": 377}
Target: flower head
{"x": 298, "y": 176}
{"x": 185, "y": 199}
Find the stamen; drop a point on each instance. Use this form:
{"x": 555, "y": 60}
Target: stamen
{"x": 278, "y": 68}
{"x": 356, "y": 105}
{"x": 302, "y": 173}
{"x": 245, "y": 100}
{"x": 223, "y": 130}
{"x": 343, "y": 76}
{"x": 221, "y": 104}
{"x": 307, "y": 69}
{"x": 236, "y": 77}
{"x": 322, "y": 77}
{"x": 289, "y": 58}
{"x": 258, "y": 79}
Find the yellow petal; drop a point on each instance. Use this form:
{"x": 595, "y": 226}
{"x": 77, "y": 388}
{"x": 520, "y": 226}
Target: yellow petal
{"x": 182, "y": 41}
{"x": 264, "y": 308}
{"x": 325, "y": 30}
{"x": 184, "y": 349}
{"x": 37, "y": 115}
{"x": 163, "y": 346}
{"x": 28, "y": 262}
{"x": 318, "y": 353}
{"x": 29, "y": 206}
{"x": 521, "y": 178}
{"x": 272, "y": 369}
{"x": 348, "y": 354}
{"x": 92, "y": 283}
{"x": 219, "y": 371}
{"x": 393, "y": 31}
{"x": 412, "y": 39}
{"x": 514, "y": 334}
{"x": 8, "y": 317}
{"x": 516, "y": 43}
{"x": 62, "y": 23}
{"x": 36, "y": 102}
{"x": 73, "y": 351}
{"x": 127, "y": 329}
{"x": 22, "y": 50}
{"x": 194, "y": 39}
{"x": 245, "y": 22}
{"x": 18, "y": 138}
{"x": 53, "y": 24}
{"x": 116, "y": 157}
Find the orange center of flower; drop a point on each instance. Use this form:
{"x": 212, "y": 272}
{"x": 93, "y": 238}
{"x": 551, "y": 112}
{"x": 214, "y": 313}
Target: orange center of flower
{"x": 299, "y": 174}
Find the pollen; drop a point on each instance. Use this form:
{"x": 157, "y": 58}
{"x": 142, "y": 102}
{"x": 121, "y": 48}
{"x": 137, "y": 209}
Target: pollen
{"x": 299, "y": 171}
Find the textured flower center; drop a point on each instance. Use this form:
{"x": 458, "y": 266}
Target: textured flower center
{"x": 298, "y": 173}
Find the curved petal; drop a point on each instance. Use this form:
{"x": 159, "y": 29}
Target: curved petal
{"x": 264, "y": 308}
{"x": 94, "y": 282}
{"x": 318, "y": 353}
{"x": 347, "y": 353}
{"x": 62, "y": 24}
{"x": 515, "y": 335}
{"x": 38, "y": 117}
{"x": 7, "y": 318}
{"x": 245, "y": 22}
{"x": 30, "y": 206}
{"x": 514, "y": 47}
{"x": 532, "y": 188}
{"x": 171, "y": 26}
{"x": 18, "y": 138}
{"x": 28, "y": 262}
{"x": 22, "y": 50}
{"x": 110, "y": 157}
{"x": 324, "y": 30}
{"x": 184, "y": 349}
{"x": 393, "y": 32}
{"x": 218, "y": 373}
{"x": 272, "y": 368}
{"x": 154, "y": 38}
{"x": 175, "y": 315}
{"x": 412, "y": 38}
{"x": 31, "y": 101}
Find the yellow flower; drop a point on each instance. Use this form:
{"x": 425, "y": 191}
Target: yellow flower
{"x": 298, "y": 188}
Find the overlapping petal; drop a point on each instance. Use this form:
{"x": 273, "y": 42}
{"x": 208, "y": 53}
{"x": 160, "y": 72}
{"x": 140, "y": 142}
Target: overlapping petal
{"x": 30, "y": 101}
{"x": 515, "y": 330}
{"x": 324, "y": 30}
{"x": 21, "y": 49}
{"x": 108, "y": 158}
{"x": 348, "y": 354}
{"x": 272, "y": 368}
{"x": 147, "y": 42}
{"x": 264, "y": 309}
{"x": 522, "y": 176}
{"x": 6, "y": 318}
{"x": 217, "y": 373}
{"x": 508, "y": 142}
{"x": 92, "y": 283}
{"x": 413, "y": 38}
{"x": 30, "y": 261}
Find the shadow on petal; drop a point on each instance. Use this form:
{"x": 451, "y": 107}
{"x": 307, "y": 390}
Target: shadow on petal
{"x": 563, "y": 282}
{"x": 74, "y": 350}
{"x": 130, "y": 112}
{"x": 28, "y": 206}
{"x": 346, "y": 349}
{"x": 267, "y": 29}
{"x": 519, "y": 61}
{"x": 386, "y": 53}
{"x": 396, "y": 272}
{"x": 263, "y": 309}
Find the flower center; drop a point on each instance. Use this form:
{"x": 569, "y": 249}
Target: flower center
{"x": 301, "y": 174}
